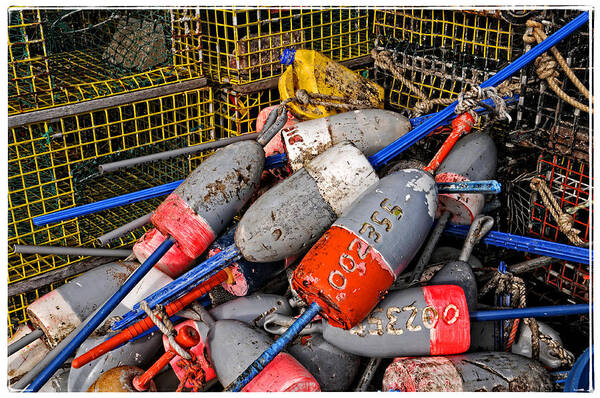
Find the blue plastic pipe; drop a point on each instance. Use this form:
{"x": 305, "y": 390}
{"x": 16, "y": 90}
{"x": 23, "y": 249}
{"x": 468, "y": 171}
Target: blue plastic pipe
{"x": 531, "y": 312}
{"x": 99, "y": 316}
{"x": 259, "y": 364}
{"x": 484, "y": 186}
{"x": 529, "y": 245}
{"x": 391, "y": 151}
{"x": 105, "y": 204}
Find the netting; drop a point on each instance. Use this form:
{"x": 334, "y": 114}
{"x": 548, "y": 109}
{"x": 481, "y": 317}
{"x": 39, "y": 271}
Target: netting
{"x": 242, "y": 46}
{"x": 63, "y": 56}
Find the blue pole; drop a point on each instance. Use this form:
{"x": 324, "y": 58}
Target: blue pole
{"x": 529, "y": 245}
{"x": 259, "y": 364}
{"x": 484, "y": 186}
{"x": 106, "y": 204}
{"x": 394, "y": 149}
{"x": 531, "y": 312}
{"x": 99, "y": 316}
{"x": 184, "y": 283}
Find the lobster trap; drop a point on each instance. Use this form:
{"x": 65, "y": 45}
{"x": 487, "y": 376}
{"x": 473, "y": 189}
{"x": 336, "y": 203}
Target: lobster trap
{"x": 545, "y": 121}
{"x": 241, "y": 46}
{"x": 569, "y": 182}
{"x": 53, "y": 165}
{"x": 236, "y": 113}
{"x": 442, "y": 51}
{"x": 64, "y": 56}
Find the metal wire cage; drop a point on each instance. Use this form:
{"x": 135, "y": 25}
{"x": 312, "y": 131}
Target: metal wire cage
{"x": 569, "y": 181}
{"x": 53, "y": 165}
{"x": 58, "y": 57}
{"x": 236, "y": 112}
{"x": 242, "y": 46}
{"x": 441, "y": 51}
{"x": 545, "y": 121}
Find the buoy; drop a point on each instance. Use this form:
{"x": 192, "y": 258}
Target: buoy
{"x": 291, "y": 216}
{"x": 233, "y": 345}
{"x": 482, "y": 372}
{"x": 473, "y": 158}
{"x": 205, "y": 203}
{"x": 333, "y": 368}
{"x": 246, "y": 276}
{"x": 459, "y": 272}
{"x": 119, "y": 379}
{"x": 429, "y": 320}
{"x": 357, "y": 259}
{"x": 60, "y": 311}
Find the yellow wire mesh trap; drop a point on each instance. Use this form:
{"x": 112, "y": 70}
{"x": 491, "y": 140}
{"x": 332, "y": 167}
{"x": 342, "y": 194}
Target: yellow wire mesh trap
{"x": 236, "y": 113}
{"x": 53, "y": 166}
{"x": 58, "y": 57}
{"x": 241, "y": 46}
{"x": 442, "y": 50}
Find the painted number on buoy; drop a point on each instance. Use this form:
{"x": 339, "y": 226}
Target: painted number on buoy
{"x": 347, "y": 263}
{"x": 371, "y": 231}
{"x": 429, "y": 317}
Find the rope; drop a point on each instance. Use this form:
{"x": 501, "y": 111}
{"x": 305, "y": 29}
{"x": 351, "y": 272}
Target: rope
{"x": 163, "y": 323}
{"x": 194, "y": 374}
{"x": 468, "y": 100}
{"x": 503, "y": 283}
{"x": 546, "y": 67}
{"x": 564, "y": 220}
{"x": 303, "y": 97}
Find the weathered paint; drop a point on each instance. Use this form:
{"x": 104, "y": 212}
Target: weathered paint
{"x": 483, "y": 338}
{"x": 252, "y": 309}
{"x": 291, "y": 216}
{"x": 22, "y": 361}
{"x": 490, "y": 371}
{"x": 458, "y": 273}
{"x": 368, "y": 129}
{"x": 174, "y": 263}
{"x": 233, "y": 346}
{"x": 119, "y": 379}
{"x": 473, "y": 158}
{"x": 342, "y": 174}
{"x": 275, "y": 145}
{"x": 463, "y": 206}
{"x": 430, "y": 320}
{"x": 334, "y": 369}
{"x": 356, "y": 261}
{"x": 60, "y": 311}
{"x": 523, "y": 345}
{"x": 198, "y": 350}
{"x": 206, "y": 202}
{"x": 137, "y": 353}
{"x": 248, "y": 276}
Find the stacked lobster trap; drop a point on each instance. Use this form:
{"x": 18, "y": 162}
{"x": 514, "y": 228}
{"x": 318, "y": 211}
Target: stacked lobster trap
{"x": 90, "y": 87}
{"x": 241, "y": 51}
{"x": 98, "y": 91}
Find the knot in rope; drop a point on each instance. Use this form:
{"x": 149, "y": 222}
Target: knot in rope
{"x": 163, "y": 323}
{"x": 303, "y": 97}
{"x": 546, "y": 67}
{"x": 193, "y": 374}
{"x": 564, "y": 220}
